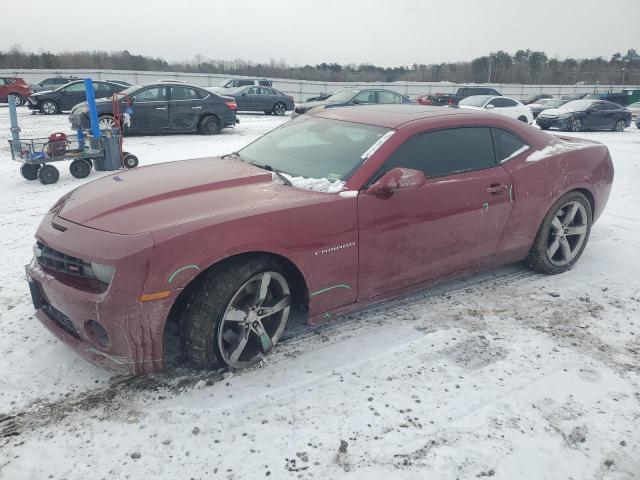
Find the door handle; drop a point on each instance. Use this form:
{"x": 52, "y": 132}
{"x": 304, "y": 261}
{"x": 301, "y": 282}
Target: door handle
{"x": 161, "y": 108}
{"x": 196, "y": 108}
{"x": 497, "y": 189}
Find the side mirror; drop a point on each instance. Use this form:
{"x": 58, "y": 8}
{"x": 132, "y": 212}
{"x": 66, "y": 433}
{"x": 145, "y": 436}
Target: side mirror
{"x": 397, "y": 179}
{"x": 489, "y": 106}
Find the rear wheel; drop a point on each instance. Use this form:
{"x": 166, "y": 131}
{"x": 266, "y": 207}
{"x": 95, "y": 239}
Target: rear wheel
{"x": 19, "y": 99}
{"x": 48, "y": 174}
{"x": 237, "y": 314}
{"x": 49, "y": 107}
{"x": 620, "y": 126}
{"x": 80, "y": 168}
{"x": 209, "y": 125}
{"x": 30, "y": 171}
{"x": 563, "y": 235}
{"x": 574, "y": 125}
{"x": 279, "y": 109}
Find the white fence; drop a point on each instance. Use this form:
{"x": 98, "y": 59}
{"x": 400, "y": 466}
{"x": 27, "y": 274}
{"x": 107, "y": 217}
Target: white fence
{"x": 302, "y": 89}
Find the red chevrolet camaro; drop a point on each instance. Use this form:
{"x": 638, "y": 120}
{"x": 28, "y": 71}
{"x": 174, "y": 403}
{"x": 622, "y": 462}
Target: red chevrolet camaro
{"x": 323, "y": 215}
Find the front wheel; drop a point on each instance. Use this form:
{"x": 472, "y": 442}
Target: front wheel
{"x": 563, "y": 235}
{"x": 237, "y": 314}
{"x": 49, "y": 107}
{"x": 575, "y": 125}
{"x": 279, "y": 109}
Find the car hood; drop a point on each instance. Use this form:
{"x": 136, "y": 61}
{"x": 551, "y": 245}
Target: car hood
{"x": 555, "y": 112}
{"x": 316, "y": 103}
{"x": 160, "y": 196}
{"x": 472, "y": 107}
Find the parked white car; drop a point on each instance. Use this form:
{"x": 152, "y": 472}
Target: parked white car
{"x": 502, "y": 105}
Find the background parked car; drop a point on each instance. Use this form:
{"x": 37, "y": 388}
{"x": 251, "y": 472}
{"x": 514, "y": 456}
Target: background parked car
{"x": 352, "y": 96}
{"x": 576, "y": 96}
{"x": 502, "y": 105}
{"x": 243, "y": 82}
{"x": 66, "y": 97}
{"x": 164, "y": 107}
{"x": 121, "y": 82}
{"x": 634, "y": 108}
{"x": 52, "y": 83}
{"x": 426, "y": 99}
{"x": 14, "y": 86}
{"x": 620, "y": 98}
{"x": 586, "y": 114}
{"x": 463, "y": 92}
{"x": 261, "y": 99}
{"x": 535, "y": 97}
{"x": 545, "y": 104}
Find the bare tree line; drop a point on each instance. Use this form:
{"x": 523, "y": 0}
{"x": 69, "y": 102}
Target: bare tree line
{"x": 523, "y": 67}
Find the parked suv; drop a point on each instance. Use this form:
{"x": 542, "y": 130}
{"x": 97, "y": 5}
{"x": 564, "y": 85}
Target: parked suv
{"x": 52, "y": 83}
{"x": 14, "y": 86}
{"x": 243, "y": 82}
{"x": 620, "y": 98}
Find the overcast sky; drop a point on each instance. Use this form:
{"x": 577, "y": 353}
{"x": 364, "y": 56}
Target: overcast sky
{"x": 383, "y": 32}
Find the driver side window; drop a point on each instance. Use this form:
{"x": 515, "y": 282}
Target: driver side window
{"x": 365, "y": 97}
{"x": 445, "y": 152}
{"x": 76, "y": 87}
{"x": 155, "y": 94}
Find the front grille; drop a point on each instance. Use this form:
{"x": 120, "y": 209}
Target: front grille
{"x": 57, "y": 261}
{"x": 61, "y": 319}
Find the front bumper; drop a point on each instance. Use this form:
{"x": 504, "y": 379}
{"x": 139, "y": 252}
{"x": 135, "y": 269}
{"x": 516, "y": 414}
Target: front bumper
{"x": 33, "y": 104}
{"x": 135, "y": 329}
{"x": 552, "y": 122}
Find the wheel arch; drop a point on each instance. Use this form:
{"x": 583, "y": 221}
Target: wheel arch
{"x": 293, "y": 274}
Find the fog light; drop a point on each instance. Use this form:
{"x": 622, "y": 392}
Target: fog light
{"x": 97, "y": 333}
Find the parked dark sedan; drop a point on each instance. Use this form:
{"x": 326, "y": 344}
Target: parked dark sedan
{"x": 260, "y": 99}
{"x": 534, "y": 98}
{"x": 163, "y": 107}
{"x": 586, "y": 114}
{"x": 68, "y": 96}
{"x": 352, "y": 96}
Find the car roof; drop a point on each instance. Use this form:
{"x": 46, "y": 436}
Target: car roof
{"x": 388, "y": 115}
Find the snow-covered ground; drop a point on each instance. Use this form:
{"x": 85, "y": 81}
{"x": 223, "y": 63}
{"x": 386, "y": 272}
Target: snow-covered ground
{"x": 508, "y": 374}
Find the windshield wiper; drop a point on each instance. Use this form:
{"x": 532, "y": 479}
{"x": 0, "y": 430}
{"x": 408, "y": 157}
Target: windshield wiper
{"x": 286, "y": 181}
{"x": 232, "y": 154}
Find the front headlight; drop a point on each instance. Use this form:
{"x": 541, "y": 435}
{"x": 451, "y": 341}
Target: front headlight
{"x": 103, "y": 273}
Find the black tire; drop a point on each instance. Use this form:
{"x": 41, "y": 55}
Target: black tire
{"x": 279, "y": 109}
{"x": 19, "y": 99}
{"x": 538, "y": 258}
{"x": 80, "y": 168}
{"x": 522, "y": 118}
{"x": 49, "y": 107}
{"x": 619, "y": 126}
{"x": 575, "y": 125}
{"x": 129, "y": 160}
{"x": 202, "y": 319}
{"x": 48, "y": 174}
{"x": 209, "y": 125}
{"x": 543, "y": 127}
{"x": 30, "y": 171}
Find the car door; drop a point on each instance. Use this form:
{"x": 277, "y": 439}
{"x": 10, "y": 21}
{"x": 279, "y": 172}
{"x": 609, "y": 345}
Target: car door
{"x": 269, "y": 98}
{"x": 611, "y": 113}
{"x": 150, "y": 110}
{"x": 71, "y": 95}
{"x": 365, "y": 97}
{"x": 185, "y": 107}
{"x": 595, "y": 116}
{"x": 450, "y": 224}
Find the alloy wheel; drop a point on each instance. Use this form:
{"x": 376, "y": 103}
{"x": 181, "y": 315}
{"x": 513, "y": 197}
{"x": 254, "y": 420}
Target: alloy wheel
{"x": 107, "y": 123}
{"x": 49, "y": 108}
{"x": 567, "y": 233}
{"x": 279, "y": 109}
{"x": 575, "y": 125}
{"x": 254, "y": 319}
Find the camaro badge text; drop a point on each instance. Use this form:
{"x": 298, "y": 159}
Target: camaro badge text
{"x": 335, "y": 249}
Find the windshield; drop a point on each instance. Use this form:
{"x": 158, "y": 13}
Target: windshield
{"x": 555, "y": 103}
{"x": 314, "y": 147}
{"x": 475, "y": 101}
{"x": 577, "y": 105}
{"x": 342, "y": 95}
